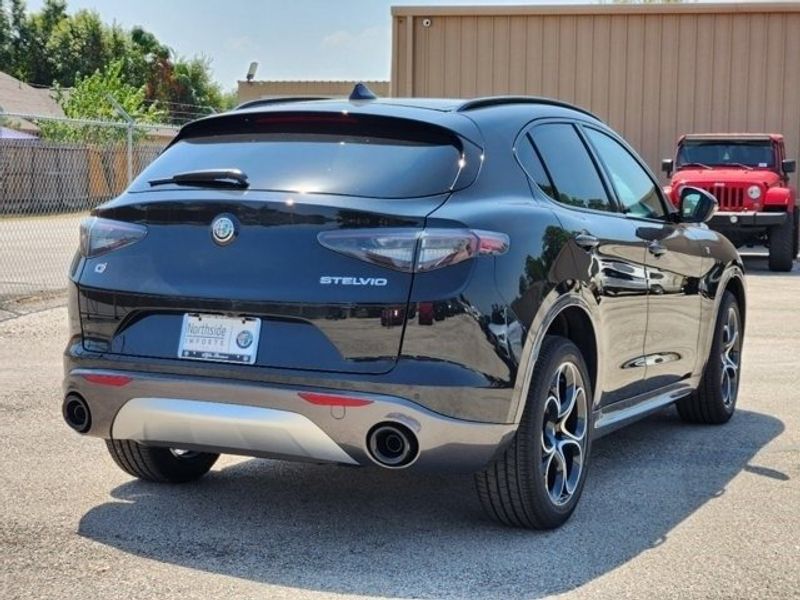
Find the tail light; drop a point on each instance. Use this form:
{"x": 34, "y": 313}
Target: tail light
{"x": 414, "y": 251}
{"x": 99, "y": 235}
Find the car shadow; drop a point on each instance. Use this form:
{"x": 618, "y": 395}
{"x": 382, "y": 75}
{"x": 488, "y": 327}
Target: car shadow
{"x": 399, "y": 534}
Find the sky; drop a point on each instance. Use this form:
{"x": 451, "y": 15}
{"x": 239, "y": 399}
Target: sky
{"x": 290, "y": 39}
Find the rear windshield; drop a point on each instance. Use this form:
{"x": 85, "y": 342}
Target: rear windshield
{"x": 338, "y": 154}
{"x": 756, "y": 154}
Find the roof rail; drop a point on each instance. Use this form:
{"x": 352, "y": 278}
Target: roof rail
{"x": 500, "y": 100}
{"x": 267, "y": 100}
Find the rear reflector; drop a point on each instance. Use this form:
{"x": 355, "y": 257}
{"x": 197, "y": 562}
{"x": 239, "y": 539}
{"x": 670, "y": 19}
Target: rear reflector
{"x": 110, "y": 380}
{"x": 414, "y": 251}
{"x": 333, "y": 399}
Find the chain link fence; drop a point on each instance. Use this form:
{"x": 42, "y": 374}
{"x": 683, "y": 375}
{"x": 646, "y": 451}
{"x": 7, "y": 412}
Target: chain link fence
{"x": 53, "y": 171}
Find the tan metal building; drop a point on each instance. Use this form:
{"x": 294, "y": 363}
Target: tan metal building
{"x": 250, "y": 90}
{"x": 652, "y": 72}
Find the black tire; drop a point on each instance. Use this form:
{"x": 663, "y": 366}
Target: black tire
{"x": 513, "y": 489}
{"x": 782, "y": 245}
{"x": 709, "y": 403}
{"x": 796, "y": 219}
{"x": 162, "y": 465}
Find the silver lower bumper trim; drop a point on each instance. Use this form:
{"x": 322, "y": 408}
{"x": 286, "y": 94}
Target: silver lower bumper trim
{"x": 229, "y": 426}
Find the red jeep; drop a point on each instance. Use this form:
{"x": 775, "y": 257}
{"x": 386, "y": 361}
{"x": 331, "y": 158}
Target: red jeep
{"x": 748, "y": 174}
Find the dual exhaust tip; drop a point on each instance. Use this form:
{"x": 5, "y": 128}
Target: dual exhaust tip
{"x": 392, "y": 445}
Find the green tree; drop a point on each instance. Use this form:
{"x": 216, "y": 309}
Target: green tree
{"x": 52, "y": 47}
{"x": 89, "y": 99}
{"x": 40, "y": 66}
{"x": 78, "y": 45}
{"x": 5, "y": 38}
{"x": 20, "y": 39}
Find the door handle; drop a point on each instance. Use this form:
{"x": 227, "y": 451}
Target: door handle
{"x": 586, "y": 241}
{"x": 656, "y": 249}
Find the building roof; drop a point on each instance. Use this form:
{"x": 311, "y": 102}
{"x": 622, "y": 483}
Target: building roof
{"x": 19, "y": 97}
{"x": 12, "y": 134}
{"x": 597, "y": 9}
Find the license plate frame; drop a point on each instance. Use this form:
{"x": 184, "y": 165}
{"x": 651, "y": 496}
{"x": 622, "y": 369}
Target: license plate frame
{"x": 219, "y": 338}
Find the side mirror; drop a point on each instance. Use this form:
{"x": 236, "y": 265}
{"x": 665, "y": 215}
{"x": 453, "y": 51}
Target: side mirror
{"x": 696, "y": 205}
{"x": 789, "y": 166}
{"x": 667, "y": 166}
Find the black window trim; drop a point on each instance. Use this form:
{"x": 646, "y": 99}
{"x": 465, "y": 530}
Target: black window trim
{"x": 527, "y": 133}
{"x": 669, "y": 210}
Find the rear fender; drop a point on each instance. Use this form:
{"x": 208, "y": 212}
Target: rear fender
{"x": 553, "y": 305}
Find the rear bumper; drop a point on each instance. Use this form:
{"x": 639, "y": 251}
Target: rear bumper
{"x": 733, "y": 220}
{"x": 236, "y": 417}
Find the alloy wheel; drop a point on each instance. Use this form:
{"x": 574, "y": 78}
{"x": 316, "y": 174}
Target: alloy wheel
{"x": 730, "y": 355}
{"x": 564, "y": 433}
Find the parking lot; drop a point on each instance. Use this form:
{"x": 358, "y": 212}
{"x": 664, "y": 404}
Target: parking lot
{"x": 36, "y": 253}
{"x": 669, "y": 509}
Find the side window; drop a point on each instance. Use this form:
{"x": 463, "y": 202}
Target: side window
{"x": 530, "y": 161}
{"x": 636, "y": 191}
{"x": 572, "y": 170}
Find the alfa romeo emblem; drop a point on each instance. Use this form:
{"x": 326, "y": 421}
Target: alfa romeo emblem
{"x": 223, "y": 230}
{"x": 244, "y": 339}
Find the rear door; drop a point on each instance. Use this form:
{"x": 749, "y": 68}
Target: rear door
{"x": 675, "y": 262}
{"x": 607, "y": 250}
{"x": 331, "y": 211}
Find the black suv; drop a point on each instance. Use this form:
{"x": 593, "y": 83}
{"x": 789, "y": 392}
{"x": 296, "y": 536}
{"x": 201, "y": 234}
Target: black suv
{"x": 485, "y": 285}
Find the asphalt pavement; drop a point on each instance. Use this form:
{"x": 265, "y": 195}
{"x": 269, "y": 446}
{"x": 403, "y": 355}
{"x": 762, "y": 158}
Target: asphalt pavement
{"x": 669, "y": 510}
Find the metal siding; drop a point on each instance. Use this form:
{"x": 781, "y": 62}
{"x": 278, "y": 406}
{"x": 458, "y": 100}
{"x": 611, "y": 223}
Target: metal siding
{"x": 584, "y": 77}
{"x": 550, "y": 53}
{"x": 468, "y": 64}
{"x": 653, "y": 72}
{"x": 791, "y": 86}
{"x": 517, "y": 43}
{"x": 534, "y": 30}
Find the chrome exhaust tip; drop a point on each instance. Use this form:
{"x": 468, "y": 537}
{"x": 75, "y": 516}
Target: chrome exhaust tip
{"x": 392, "y": 445}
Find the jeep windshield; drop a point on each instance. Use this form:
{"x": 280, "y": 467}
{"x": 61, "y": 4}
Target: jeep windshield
{"x": 745, "y": 154}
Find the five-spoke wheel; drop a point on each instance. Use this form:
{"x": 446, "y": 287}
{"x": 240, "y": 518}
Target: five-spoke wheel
{"x": 538, "y": 480}
{"x": 564, "y": 433}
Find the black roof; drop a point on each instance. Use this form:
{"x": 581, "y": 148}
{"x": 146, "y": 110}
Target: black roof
{"x": 456, "y": 114}
{"x": 438, "y": 104}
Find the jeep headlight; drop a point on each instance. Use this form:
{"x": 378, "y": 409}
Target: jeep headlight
{"x": 754, "y": 192}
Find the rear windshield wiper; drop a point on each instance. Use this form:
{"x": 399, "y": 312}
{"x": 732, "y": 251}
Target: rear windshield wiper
{"x": 207, "y": 177}
{"x": 693, "y": 164}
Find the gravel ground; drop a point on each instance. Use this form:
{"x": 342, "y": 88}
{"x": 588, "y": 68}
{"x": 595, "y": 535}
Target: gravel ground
{"x": 669, "y": 510}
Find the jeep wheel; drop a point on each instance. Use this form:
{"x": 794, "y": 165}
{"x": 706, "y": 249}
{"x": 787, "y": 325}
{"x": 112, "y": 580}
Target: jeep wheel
{"x": 796, "y": 236}
{"x": 537, "y": 481}
{"x": 162, "y": 465}
{"x": 715, "y": 400}
{"x": 782, "y": 245}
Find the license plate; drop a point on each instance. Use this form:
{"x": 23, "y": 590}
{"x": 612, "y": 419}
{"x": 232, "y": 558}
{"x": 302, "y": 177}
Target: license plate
{"x": 218, "y": 338}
